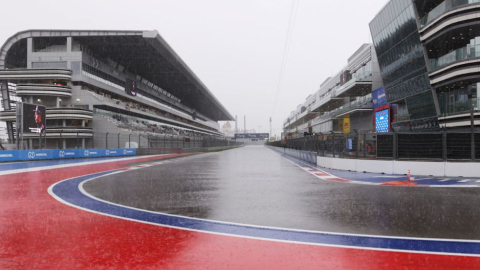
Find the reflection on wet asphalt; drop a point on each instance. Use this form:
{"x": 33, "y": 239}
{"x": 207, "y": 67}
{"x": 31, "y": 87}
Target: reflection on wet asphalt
{"x": 254, "y": 185}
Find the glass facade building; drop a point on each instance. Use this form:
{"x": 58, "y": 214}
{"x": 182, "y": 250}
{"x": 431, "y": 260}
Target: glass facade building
{"x": 403, "y": 67}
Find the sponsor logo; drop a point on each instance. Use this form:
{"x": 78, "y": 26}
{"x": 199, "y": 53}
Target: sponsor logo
{"x": 31, "y": 155}
{"x": 107, "y": 152}
{"x": 125, "y": 151}
{"x": 62, "y": 154}
{"x": 6, "y": 155}
{"x": 86, "y": 153}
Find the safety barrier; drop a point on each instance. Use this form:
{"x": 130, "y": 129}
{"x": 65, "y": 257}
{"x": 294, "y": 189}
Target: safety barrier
{"x": 307, "y": 156}
{"x": 25, "y": 155}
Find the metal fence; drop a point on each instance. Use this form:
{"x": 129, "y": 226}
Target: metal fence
{"x": 121, "y": 140}
{"x": 398, "y": 146}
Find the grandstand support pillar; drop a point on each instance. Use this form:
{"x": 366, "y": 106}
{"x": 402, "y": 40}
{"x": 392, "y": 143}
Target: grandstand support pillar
{"x": 93, "y": 139}
{"x": 164, "y": 142}
{"x": 139, "y": 141}
{"x": 76, "y": 146}
{"x": 333, "y": 138}
{"x": 148, "y": 140}
{"x": 129, "y": 144}
{"x": 106, "y": 140}
{"x": 118, "y": 141}
{"x": 472, "y": 126}
{"x": 10, "y": 132}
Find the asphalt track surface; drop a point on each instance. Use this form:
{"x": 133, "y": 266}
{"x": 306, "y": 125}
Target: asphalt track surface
{"x": 254, "y": 185}
{"x": 248, "y": 208}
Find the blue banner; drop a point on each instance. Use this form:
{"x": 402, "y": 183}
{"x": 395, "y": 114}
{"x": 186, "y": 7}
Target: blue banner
{"x": 379, "y": 98}
{"x": 24, "y": 155}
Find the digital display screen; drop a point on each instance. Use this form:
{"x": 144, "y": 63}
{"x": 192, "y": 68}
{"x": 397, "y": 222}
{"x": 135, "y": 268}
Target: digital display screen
{"x": 382, "y": 121}
{"x": 33, "y": 118}
{"x": 350, "y": 144}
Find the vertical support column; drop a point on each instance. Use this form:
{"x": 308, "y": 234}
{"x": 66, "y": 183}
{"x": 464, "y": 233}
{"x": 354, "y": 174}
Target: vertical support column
{"x": 333, "y": 137}
{"x": 364, "y": 144}
{"x": 69, "y": 44}
{"x": 395, "y": 146}
{"x": 444, "y": 145}
{"x": 29, "y": 52}
{"x": 357, "y": 142}
{"x": 472, "y": 127}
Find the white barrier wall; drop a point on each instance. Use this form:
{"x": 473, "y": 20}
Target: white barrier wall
{"x": 448, "y": 169}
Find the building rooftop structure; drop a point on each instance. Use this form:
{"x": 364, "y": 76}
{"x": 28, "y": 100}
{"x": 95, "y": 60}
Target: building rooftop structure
{"x": 93, "y": 71}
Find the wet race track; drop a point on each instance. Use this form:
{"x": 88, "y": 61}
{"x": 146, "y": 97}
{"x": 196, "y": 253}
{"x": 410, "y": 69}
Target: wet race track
{"x": 248, "y": 208}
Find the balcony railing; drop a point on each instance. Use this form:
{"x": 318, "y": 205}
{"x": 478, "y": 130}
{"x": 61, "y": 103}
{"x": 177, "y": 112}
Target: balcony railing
{"x": 458, "y": 106}
{"x": 442, "y": 8}
{"x": 454, "y": 56}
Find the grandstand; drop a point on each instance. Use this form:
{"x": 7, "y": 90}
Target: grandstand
{"x": 99, "y": 82}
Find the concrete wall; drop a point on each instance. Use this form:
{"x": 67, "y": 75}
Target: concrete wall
{"x": 449, "y": 169}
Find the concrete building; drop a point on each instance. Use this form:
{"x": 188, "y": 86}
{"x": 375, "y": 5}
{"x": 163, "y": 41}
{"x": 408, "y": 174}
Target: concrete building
{"x": 343, "y": 102}
{"x": 429, "y": 54}
{"x": 98, "y": 82}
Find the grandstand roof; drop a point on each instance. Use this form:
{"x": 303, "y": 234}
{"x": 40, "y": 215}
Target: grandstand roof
{"x": 143, "y": 53}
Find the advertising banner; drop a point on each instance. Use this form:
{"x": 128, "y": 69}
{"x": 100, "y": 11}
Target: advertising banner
{"x": 25, "y": 155}
{"x": 379, "y": 98}
{"x": 346, "y": 124}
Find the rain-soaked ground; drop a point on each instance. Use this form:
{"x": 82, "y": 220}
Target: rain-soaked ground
{"x": 255, "y": 185}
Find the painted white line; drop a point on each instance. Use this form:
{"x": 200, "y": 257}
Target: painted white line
{"x": 35, "y": 169}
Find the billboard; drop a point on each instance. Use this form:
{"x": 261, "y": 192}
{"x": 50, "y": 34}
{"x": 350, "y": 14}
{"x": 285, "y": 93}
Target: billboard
{"x": 131, "y": 87}
{"x": 379, "y": 98}
{"x": 33, "y": 118}
{"x": 346, "y": 124}
{"x": 382, "y": 121}
{"x": 263, "y": 136}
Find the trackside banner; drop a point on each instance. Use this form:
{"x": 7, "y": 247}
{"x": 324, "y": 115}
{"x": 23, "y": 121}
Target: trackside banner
{"x": 25, "y": 155}
{"x": 309, "y": 157}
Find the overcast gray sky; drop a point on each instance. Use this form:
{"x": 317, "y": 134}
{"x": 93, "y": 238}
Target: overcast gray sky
{"x": 234, "y": 47}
